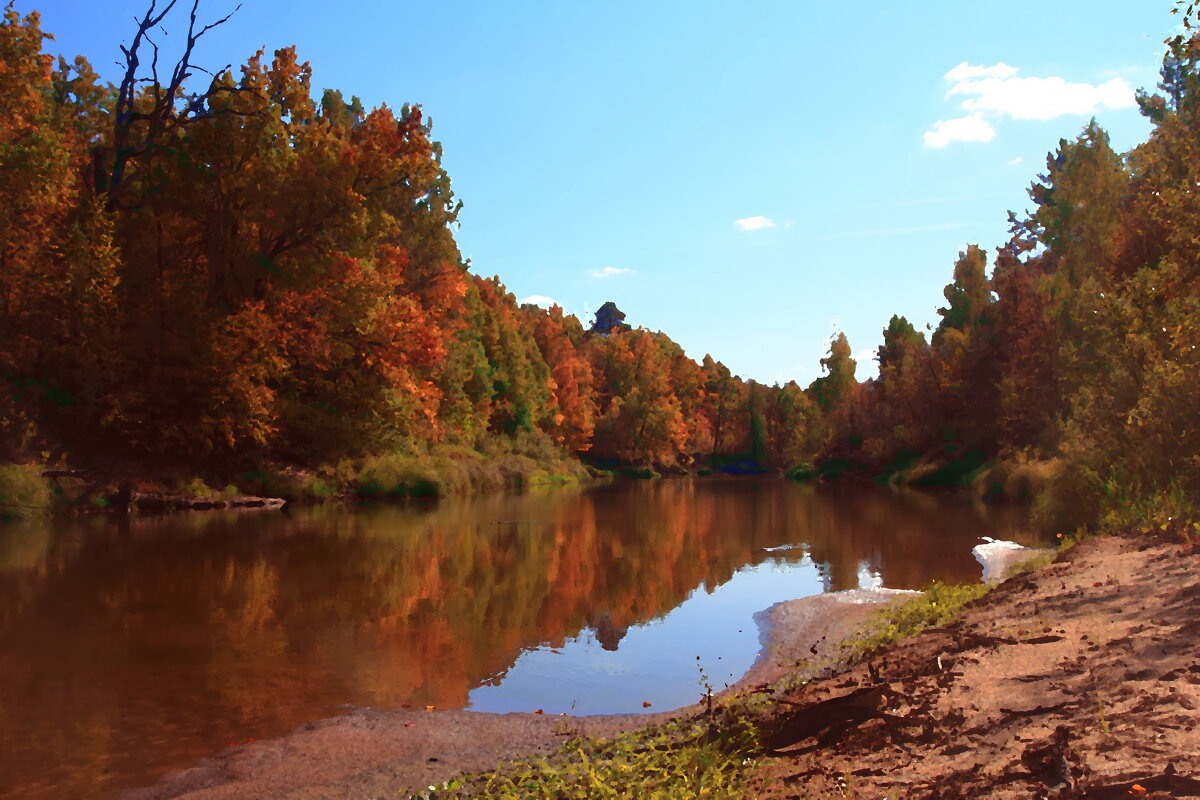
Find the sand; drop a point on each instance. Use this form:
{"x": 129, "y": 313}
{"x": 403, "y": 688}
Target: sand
{"x": 1081, "y": 679}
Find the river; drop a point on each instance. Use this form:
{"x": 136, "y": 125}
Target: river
{"x": 132, "y": 646}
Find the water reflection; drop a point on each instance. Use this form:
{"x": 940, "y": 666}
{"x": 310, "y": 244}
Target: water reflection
{"x": 129, "y": 647}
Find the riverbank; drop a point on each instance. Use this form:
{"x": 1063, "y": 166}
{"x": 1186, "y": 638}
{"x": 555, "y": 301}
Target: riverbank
{"x": 1089, "y": 662}
{"x": 375, "y": 753}
{"x": 499, "y": 463}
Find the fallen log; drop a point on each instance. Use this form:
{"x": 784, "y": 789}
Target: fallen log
{"x": 156, "y": 501}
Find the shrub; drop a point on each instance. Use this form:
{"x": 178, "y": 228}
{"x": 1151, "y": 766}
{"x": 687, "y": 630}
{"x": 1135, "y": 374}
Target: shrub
{"x": 525, "y": 459}
{"x": 1070, "y": 496}
{"x": 1018, "y": 479}
{"x": 23, "y": 491}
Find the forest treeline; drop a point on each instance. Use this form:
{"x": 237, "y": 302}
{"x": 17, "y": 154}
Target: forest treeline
{"x": 1069, "y": 373}
{"x": 258, "y": 275}
{"x": 249, "y": 275}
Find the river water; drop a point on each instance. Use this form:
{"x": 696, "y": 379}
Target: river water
{"x": 130, "y": 647}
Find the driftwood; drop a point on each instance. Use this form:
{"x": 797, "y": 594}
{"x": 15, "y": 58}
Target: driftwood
{"x": 64, "y": 473}
{"x": 155, "y": 501}
{"x": 125, "y": 498}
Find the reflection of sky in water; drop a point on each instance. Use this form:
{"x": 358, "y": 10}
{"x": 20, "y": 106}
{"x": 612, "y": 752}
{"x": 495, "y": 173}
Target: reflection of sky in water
{"x": 868, "y": 578}
{"x": 654, "y": 662}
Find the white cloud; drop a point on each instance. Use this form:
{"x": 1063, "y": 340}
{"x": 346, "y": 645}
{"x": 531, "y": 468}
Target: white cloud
{"x": 966, "y": 72}
{"x": 973, "y": 128}
{"x": 539, "y": 300}
{"x": 1012, "y": 162}
{"x": 998, "y": 91}
{"x": 754, "y": 223}
{"x": 609, "y": 272}
{"x": 1041, "y": 98}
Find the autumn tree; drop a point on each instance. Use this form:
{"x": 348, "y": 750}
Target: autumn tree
{"x": 722, "y": 393}
{"x": 829, "y": 390}
{"x": 906, "y": 394}
{"x": 58, "y": 264}
{"x": 559, "y": 338}
{"x": 962, "y": 348}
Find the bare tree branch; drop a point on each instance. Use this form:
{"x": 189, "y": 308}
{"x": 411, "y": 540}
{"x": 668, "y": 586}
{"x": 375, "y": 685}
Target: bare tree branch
{"x": 164, "y": 114}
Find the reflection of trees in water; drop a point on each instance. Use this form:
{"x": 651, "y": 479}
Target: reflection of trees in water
{"x": 244, "y": 625}
{"x": 907, "y": 537}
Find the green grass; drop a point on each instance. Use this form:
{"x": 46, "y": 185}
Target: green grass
{"x": 939, "y": 603}
{"x": 1030, "y": 564}
{"x": 681, "y": 760}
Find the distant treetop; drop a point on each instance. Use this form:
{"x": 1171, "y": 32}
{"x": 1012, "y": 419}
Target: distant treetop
{"x": 609, "y": 318}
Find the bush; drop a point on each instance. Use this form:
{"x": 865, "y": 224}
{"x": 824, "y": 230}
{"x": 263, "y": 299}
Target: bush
{"x": 896, "y": 471}
{"x": 24, "y": 492}
{"x": 294, "y": 485}
{"x": 953, "y": 474}
{"x": 1070, "y": 496}
{"x": 1019, "y": 479}
{"x": 403, "y": 475}
{"x": 802, "y": 472}
{"x": 526, "y": 459}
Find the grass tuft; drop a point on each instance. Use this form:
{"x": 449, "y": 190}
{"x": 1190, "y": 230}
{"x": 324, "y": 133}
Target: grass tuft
{"x": 682, "y": 759}
{"x": 939, "y": 603}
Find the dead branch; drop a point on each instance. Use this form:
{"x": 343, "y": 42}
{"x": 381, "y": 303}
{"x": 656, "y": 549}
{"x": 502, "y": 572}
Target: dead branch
{"x": 132, "y": 142}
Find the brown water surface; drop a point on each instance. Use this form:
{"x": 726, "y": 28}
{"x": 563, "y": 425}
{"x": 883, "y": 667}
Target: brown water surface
{"x": 129, "y": 647}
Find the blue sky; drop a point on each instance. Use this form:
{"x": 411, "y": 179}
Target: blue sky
{"x": 608, "y": 150}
